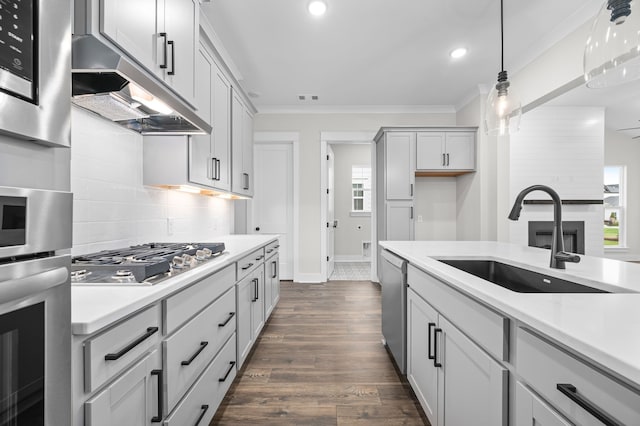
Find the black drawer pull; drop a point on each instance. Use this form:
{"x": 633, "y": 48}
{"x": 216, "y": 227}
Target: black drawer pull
{"x": 158, "y": 418}
{"x": 259, "y": 258}
{"x": 200, "y": 349}
{"x": 204, "y": 409}
{"x": 431, "y": 325}
{"x": 231, "y": 365}
{"x": 435, "y": 347}
{"x": 274, "y": 269}
{"x": 163, "y": 65}
{"x": 231, "y": 315}
{"x": 245, "y": 267}
{"x": 278, "y": 246}
{"x": 145, "y": 336}
{"x": 270, "y": 251}
{"x": 255, "y": 290}
{"x": 572, "y": 393}
{"x": 172, "y": 43}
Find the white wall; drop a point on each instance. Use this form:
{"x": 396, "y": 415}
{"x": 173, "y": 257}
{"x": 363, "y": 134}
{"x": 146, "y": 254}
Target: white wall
{"x": 435, "y": 208}
{"x": 352, "y": 230}
{"x": 309, "y": 126}
{"x": 112, "y": 208}
{"x": 621, "y": 150}
{"x": 561, "y": 147}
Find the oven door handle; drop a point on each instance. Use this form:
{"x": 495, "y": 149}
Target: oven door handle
{"x": 18, "y": 288}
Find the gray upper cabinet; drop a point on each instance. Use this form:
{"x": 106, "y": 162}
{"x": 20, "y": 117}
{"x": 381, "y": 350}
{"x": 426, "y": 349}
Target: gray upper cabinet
{"x": 399, "y": 165}
{"x": 242, "y": 147}
{"x": 161, "y": 35}
{"x": 449, "y": 150}
{"x": 209, "y": 154}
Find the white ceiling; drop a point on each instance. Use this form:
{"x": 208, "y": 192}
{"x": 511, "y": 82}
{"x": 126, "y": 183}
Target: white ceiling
{"x": 371, "y": 54}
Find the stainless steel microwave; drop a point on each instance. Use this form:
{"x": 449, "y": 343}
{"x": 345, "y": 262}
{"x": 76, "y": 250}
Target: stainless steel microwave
{"x": 35, "y": 70}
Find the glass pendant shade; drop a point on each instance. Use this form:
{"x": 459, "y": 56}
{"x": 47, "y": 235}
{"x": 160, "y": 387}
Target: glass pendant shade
{"x": 612, "y": 53}
{"x": 503, "y": 109}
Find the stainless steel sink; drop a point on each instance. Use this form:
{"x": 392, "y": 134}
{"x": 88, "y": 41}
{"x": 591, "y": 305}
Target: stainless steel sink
{"x": 518, "y": 279}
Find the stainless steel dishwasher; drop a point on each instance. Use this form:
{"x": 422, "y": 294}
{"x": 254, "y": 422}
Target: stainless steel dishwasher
{"x": 394, "y": 307}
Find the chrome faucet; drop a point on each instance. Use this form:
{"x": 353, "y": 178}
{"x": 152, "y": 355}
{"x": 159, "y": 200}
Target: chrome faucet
{"x": 558, "y": 255}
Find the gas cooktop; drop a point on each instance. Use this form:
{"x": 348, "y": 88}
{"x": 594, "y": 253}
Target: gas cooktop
{"x": 144, "y": 264}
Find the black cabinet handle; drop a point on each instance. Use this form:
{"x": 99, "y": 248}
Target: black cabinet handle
{"x": 278, "y": 246}
{"x": 231, "y": 315}
{"x": 431, "y": 325}
{"x": 231, "y": 365}
{"x": 447, "y": 158}
{"x": 443, "y": 160}
{"x": 270, "y": 251}
{"x": 411, "y": 212}
{"x": 163, "y": 65}
{"x": 158, "y": 418}
{"x": 247, "y": 266}
{"x": 173, "y": 57}
{"x": 274, "y": 269}
{"x": 255, "y": 290}
{"x": 572, "y": 393}
{"x": 245, "y": 176}
{"x": 204, "y": 409}
{"x": 435, "y": 347}
{"x": 213, "y": 168}
{"x": 259, "y": 258}
{"x": 411, "y": 190}
{"x": 119, "y": 354}
{"x": 218, "y": 169}
{"x": 200, "y": 349}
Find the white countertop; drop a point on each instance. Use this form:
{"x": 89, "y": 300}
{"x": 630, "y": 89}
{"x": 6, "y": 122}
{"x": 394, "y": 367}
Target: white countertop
{"x": 602, "y": 328}
{"x": 95, "y": 307}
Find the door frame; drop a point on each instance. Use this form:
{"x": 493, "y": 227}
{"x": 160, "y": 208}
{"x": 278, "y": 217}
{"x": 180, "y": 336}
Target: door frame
{"x": 292, "y": 138}
{"x": 344, "y": 138}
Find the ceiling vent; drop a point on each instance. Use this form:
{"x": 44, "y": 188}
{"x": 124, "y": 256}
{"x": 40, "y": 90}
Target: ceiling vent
{"x": 306, "y": 98}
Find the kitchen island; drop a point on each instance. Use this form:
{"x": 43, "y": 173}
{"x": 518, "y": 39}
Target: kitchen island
{"x": 585, "y": 337}
{"x": 167, "y": 353}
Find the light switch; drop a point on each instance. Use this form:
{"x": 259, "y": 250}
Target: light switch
{"x": 419, "y": 218}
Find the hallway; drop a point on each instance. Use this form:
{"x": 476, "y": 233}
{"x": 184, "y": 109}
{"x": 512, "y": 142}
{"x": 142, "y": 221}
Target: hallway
{"x": 320, "y": 361}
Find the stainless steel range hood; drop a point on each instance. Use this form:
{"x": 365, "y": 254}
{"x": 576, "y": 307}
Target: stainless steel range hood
{"x": 111, "y": 85}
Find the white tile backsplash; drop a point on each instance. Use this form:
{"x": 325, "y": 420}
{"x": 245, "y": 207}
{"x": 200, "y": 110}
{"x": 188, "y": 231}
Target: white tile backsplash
{"x": 112, "y": 208}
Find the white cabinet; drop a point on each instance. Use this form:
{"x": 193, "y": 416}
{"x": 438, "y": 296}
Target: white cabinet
{"x": 445, "y": 151}
{"x": 242, "y": 146}
{"x": 531, "y": 410}
{"x": 399, "y": 165}
{"x": 250, "y": 308}
{"x": 257, "y": 303}
{"x": 132, "y": 399}
{"x": 446, "y": 369}
{"x": 400, "y": 223}
{"x": 161, "y": 35}
{"x": 271, "y": 284}
{"x": 209, "y": 154}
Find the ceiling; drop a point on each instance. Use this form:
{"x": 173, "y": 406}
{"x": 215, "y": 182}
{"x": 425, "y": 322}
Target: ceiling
{"x": 383, "y": 54}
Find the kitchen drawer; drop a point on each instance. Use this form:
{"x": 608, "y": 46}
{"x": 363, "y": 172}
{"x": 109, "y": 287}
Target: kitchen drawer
{"x": 249, "y": 263}
{"x": 190, "y": 349}
{"x": 271, "y": 249}
{"x": 187, "y": 303}
{"x": 201, "y": 402}
{"x": 484, "y": 326}
{"x": 544, "y": 366}
{"x": 112, "y": 351}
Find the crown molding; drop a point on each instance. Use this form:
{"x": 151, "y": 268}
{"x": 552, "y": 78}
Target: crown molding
{"x": 356, "y": 109}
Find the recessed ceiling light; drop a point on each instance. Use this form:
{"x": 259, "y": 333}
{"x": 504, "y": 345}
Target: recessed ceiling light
{"x": 458, "y": 53}
{"x": 317, "y": 8}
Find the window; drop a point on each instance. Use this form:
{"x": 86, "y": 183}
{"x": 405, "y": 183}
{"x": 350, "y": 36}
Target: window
{"x": 614, "y": 206}
{"x": 361, "y": 189}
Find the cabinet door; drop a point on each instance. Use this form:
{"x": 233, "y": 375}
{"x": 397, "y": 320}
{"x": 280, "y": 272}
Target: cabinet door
{"x": 469, "y": 378}
{"x": 181, "y": 23}
{"x": 430, "y": 151}
{"x": 257, "y": 307}
{"x": 461, "y": 150}
{"x": 131, "y": 24}
{"x": 421, "y": 372}
{"x": 268, "y": 289}
{"x": 399, "y": 165}
{"x": 201, "y": 163}
{"x": 245, "y": 295}
{"x": 399, "y": 221}
{"x": 247, "y": 149}
{"x": 132, "y": 399}
{"x": 530, "y": 410}
{"x": 274, "y": 270}
{"x": 221, "y": 147}
{"x": 237, "y": 150}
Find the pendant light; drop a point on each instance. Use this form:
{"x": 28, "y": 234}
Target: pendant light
{"x": 503, "y": 109}
{"x": 612, "y": 53}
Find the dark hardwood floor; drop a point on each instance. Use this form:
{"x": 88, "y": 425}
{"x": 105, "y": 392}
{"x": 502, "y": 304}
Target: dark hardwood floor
{"x": 320, "y": 361}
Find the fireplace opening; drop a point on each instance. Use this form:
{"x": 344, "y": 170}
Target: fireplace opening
{"x": 540, "y": 235}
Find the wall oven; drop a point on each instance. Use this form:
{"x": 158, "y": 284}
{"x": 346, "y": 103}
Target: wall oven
{"x": 35, "y": 307}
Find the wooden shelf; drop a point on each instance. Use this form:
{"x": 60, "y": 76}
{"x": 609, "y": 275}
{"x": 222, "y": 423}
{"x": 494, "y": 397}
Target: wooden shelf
{"x": 443, "y": 173}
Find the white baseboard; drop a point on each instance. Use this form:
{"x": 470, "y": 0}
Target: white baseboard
{"x": 341, "y": 258}
{"x": 308, "y": 278}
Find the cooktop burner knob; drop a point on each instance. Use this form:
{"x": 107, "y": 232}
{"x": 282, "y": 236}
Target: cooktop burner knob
{"x": 188, "y": 260}
{"x": 207, "y": 252}
{"x": 178, "y": 262}
{"x": 200, "y": 255}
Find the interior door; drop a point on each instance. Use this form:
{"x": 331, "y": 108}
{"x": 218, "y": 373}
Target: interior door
{"x": 272, "y": 204}
{"x": 331, "y": 228}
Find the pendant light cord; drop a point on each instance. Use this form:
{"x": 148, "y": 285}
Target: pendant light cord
{"x": 501, "y": 36}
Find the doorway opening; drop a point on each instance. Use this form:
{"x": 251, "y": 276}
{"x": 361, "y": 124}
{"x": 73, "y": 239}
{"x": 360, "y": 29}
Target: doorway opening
{"x": 348, "y": 206}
